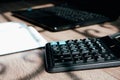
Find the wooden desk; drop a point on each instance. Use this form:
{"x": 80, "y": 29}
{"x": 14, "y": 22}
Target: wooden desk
{"x": 28, "y": 65}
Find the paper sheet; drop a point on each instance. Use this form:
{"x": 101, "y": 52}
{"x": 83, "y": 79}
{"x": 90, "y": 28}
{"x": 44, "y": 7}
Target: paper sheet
{"x": 15, "y": 37}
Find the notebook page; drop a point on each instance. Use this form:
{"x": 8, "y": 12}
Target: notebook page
{"x": 17, "y": 39}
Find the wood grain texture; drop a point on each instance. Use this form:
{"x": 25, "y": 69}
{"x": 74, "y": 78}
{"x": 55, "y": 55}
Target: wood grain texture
{"x": 29, "y": 65}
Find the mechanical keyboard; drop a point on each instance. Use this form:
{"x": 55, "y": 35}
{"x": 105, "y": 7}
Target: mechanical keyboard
{"x": 58, "y": 18}
{"x": 81, "y": 54}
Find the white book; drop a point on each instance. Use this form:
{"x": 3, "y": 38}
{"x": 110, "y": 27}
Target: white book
{"x": 16, "y": 37}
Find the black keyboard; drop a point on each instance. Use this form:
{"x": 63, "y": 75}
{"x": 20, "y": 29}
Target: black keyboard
{"x": 81, "y": 54}
{"x": 82, "y": 17}
{"x": 59, "y": 18}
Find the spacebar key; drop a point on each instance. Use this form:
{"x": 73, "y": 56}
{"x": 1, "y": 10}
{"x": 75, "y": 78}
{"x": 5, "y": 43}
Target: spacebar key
{"x": 64, "y": 64}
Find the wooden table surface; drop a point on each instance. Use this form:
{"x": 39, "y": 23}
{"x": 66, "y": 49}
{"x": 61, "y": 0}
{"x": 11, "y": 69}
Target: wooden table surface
{"x": 28, "y": 65}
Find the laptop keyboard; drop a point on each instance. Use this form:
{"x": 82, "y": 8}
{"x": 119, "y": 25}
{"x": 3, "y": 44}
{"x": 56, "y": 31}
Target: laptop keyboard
{"x": 59, "y": 18}
{"x": 74, "y": 15}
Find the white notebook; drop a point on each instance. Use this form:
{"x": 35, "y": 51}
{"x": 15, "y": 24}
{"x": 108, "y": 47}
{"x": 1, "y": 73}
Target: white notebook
{"x": 15, "y": 37}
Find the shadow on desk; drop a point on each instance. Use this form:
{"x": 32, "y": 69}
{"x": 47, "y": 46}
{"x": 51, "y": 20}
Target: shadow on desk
{"x": 108, "y": 28}
{"x": 37, "y": 71}
{"x": 29, "y": 73}
{"x": 13, "y": 68}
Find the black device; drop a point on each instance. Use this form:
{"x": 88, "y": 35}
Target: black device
{"x": 4, "y": 1}
{"x": 67, "y": 15}
{"x": 59, "y": 18}
{"x": 81, "y": 54}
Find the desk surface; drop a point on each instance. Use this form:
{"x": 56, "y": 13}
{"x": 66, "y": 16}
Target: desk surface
{"x": 28, "y": 65}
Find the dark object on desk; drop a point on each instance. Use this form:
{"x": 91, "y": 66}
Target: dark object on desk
{"x": 7, "y": 0}
{"x": 60, "y": 18}
{"x": 89, "y": 53}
